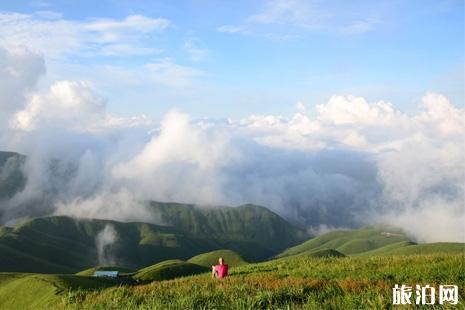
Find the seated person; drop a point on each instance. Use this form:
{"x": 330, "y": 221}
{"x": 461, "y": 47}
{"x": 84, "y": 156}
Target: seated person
{"x": 220, "y": 271}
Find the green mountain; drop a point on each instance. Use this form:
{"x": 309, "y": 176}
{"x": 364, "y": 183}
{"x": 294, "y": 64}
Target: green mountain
{"x": 60, "y": 244}
{"x": 369, "y": 241}
{"x": 254, "y": 224}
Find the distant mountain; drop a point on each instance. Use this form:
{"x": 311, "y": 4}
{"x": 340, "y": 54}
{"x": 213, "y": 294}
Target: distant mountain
{"x": 60, "y": 244}
{"x": 369, "y": 241}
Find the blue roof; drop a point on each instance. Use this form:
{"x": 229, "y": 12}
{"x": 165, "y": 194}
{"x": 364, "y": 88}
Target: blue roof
{"x": 112, "y": 274}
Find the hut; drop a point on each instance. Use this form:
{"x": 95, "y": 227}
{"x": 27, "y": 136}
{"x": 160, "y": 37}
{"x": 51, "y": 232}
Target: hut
{"x": 106, "y": 274}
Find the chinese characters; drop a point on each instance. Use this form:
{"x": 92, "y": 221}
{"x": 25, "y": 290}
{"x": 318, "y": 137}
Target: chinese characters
{"x": 425, "y": 295}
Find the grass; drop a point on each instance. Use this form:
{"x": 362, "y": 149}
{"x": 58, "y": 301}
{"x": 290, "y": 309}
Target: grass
{"x": 211, "y": 258}
{"x": 286, "y": 283}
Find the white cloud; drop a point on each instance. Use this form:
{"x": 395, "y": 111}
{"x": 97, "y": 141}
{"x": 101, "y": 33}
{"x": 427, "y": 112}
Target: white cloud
{"x": 439, "y": 111}
{"x": 231, "y": 29}
{"x": 110, "y": 30}
{"x": 183, "y": 154}
{"x": 63, "y": 37}
{"x": 305, "y": 16}
{"x": 66, "y": 102}
{"x": 48, "y": 14}
{"x": 121, "y": 205}
{"x": 359, "y": 26}
{"x": 196, "y": 53}
{"x": 300, "y": 106}
{"x": 166, "y": 72}
{"x": 294, "y": 12}
{"x": 127, "y": 49}
{"x": 356, "y": 110}
{"x": 40, "y": 3}
{"x": 103, "y": 242}
{"x": 19, "y": 73}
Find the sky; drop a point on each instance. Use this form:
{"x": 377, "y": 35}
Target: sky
{"x": 235, "y": 58}
{"x": 333, "y": 114}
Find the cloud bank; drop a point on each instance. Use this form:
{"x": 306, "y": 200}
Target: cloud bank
{"x": 347, "y": 162}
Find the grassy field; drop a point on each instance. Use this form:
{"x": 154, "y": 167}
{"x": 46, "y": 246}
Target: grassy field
{"x": 302, "y": 281}
{"x": 295, "y": 282}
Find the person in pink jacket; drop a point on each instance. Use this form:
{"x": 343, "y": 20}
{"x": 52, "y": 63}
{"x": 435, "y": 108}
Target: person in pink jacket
{"x": 221, "y": 270}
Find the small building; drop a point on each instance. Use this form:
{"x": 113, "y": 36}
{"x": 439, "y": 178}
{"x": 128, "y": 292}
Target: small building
{"x": 106, "y": 274}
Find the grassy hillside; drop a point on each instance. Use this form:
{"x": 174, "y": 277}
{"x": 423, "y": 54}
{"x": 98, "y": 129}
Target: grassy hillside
{"x": 39, "y": 291}
{"x": 211, "y": 258}
{"x": 350, "y": 242}
{"x": 169, "y": 269}
{"x": 293, "y": 282}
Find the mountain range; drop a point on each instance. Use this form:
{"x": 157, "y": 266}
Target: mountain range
{"x": 58, "y": 244}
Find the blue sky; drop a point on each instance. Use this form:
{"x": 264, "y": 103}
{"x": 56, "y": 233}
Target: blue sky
{"x": 235, "y": 58}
